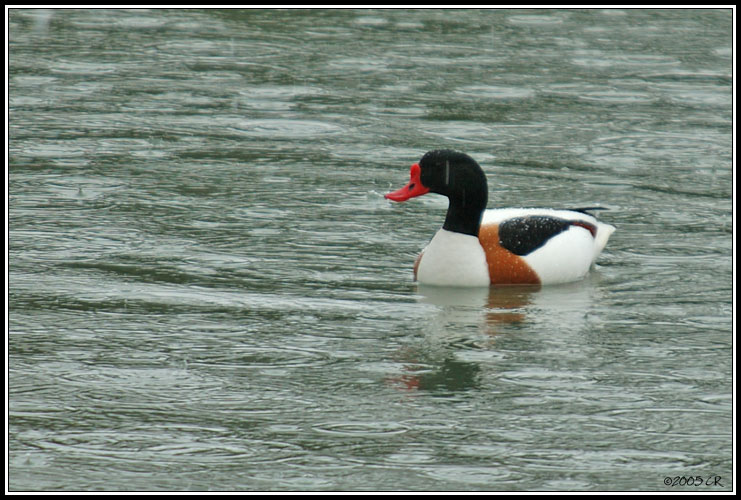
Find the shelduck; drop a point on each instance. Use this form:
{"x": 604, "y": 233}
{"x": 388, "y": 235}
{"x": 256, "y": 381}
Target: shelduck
{"x": 480, "y": 247}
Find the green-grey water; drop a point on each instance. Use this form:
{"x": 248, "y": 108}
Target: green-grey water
{"x": 208, "y": 291}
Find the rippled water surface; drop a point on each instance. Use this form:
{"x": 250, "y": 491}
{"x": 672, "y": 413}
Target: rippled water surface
{"x": 208, "y": 291}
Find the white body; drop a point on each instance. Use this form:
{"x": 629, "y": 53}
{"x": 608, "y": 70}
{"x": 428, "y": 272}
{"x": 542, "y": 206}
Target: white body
{"x": 455, "y": 259}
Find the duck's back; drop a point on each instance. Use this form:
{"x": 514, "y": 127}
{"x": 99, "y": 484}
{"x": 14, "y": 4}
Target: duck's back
{"x": 540, "y": 246}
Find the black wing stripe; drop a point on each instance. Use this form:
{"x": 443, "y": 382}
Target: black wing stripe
{"x": 523, "y": 235}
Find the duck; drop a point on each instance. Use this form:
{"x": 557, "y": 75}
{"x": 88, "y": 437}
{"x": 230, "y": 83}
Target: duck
{"x": 479, "y": 247}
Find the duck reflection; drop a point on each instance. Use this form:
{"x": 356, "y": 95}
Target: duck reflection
{"x": 449, "y": 375}
{"x": 472, "y": 320}
{"x": 499, "y": 305}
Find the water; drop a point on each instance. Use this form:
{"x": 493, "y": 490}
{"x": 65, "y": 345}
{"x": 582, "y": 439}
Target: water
{"x": 207, "y": 290}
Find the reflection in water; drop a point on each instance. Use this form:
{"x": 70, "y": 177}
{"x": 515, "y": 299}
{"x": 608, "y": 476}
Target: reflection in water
{"x": 471, "y": 318}
{"x": 485, "y": 307}
{"x": 450, "y": 375}
{"x": 495, "y": 307}
{"x": 498, "y": 304}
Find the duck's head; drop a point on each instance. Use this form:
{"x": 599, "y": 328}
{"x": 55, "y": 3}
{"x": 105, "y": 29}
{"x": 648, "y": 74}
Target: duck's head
{"x": 452, "y": 174}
